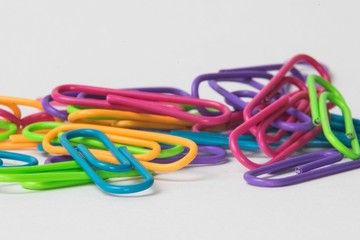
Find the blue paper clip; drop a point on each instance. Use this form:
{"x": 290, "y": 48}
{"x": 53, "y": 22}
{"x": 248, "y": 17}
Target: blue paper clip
{"x": 27, "y": 159}
{"x": 86, "y": 160}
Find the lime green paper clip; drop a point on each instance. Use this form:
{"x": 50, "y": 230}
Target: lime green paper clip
{"x": 320, "y": 115}
{"x": 55, "y": 175}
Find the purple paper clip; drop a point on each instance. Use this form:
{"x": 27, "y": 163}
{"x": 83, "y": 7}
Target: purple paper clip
{"x": 307, "y": 167}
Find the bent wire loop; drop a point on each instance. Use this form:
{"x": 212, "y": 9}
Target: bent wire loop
{"x": 149, "y": 102}
{"x": 320, "y": 116}
{"x": 308, "y": 167}
{"x": 87, "y": 160}
{"x": 26, "y": 159}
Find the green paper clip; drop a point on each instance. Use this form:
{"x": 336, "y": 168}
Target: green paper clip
{"x": 320, "y": 116}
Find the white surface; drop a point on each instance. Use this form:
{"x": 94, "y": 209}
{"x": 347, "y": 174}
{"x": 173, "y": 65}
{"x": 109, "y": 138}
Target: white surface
{"x": 155, "y": 43}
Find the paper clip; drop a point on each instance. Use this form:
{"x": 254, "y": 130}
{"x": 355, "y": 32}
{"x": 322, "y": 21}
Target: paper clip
{"x": 278, "y": 107}
{"x": 57, "y": 175}
{"x": 155, "y": 103}
{"x": 130, "y": 134}
{"x": 320, "y": 116}
{"x": 308, "y": 167}
{"x": 27, "y": 159}
{"x": 268, "y": 91}
{"x": 125, "y": 161}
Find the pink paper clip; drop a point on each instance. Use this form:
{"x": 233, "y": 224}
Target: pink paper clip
{"x": 272, "y": 111}
{"x": 131, "y": 100}
{"x": 267, "y": 92}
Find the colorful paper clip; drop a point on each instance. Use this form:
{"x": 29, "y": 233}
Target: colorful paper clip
{"x": 87, "y": 160}
{"x": 27, "y": 159}
{"x": 320, "y": 116}
{"x": 307, "y": 167}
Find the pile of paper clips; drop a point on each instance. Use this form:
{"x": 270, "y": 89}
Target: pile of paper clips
{"x": 95, "y": 134}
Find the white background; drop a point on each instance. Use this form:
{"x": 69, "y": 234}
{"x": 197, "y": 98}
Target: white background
{"x": 168, "y": 43}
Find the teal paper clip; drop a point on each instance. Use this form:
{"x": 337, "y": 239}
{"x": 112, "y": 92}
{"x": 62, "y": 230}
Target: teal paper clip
{"x": 87, "y": 160}
{"x": 27, "y": 159}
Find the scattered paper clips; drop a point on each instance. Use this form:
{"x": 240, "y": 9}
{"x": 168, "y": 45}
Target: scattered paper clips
{"x": 121, "y": 139}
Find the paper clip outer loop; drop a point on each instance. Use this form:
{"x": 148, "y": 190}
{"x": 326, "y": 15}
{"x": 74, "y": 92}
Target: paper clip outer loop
{"x": 27, "y": 159}
{"x": 121, "y": 154}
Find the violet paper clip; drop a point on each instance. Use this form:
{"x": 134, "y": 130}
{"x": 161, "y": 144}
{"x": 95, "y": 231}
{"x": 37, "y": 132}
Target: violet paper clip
{"x": 308, "y": 167}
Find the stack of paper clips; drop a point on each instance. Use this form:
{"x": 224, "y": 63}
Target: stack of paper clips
{"x": 95, "y": 135}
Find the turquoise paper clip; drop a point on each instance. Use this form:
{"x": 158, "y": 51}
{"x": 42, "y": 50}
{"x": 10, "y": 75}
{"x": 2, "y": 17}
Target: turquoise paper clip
{"x": 87, "y": 160}
{"x": 27, "y": 159}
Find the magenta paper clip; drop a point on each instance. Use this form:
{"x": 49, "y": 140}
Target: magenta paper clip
{"x": 307, "y": 167}
{"x": 272, "y": 111}
{"x": 277, "y": 81}
{"x": 149, "y": 102}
